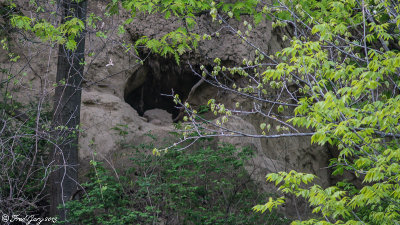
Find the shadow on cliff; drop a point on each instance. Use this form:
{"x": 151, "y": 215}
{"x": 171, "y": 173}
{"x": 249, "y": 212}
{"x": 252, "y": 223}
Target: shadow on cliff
{"x": 147, "y": 87}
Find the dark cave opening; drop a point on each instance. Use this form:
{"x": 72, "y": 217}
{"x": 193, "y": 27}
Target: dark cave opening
{"x": 144, "y": 89}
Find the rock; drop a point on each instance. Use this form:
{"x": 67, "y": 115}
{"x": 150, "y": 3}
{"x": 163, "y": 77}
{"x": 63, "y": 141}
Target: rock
{"x": 267, "y": 159}
{"x": 261, "y": 164}
{"x": 101, "y": 114}
{"x": 158, "y": 117}
{"x": 109, "y": 124}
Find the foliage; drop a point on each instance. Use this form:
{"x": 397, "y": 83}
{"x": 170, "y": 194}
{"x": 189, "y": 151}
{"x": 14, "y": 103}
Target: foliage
{"x": 338, "y": 77}
{"x": 23, "y": 173}
{"x": 106, "y": 201}
{"x": 203, "y": 109}
{"x": 184, "y": 38}
{"x": 351, "y": 100}
{"x": 206, "y": 186}
{"x": 173, "y": 43}
{"x": 23, "y": 138}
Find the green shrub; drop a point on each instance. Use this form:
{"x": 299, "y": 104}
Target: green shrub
{"x": 206, "y": 186}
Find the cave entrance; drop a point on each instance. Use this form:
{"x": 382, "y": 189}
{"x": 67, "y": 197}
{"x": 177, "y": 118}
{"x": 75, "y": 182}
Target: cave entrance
{"x": 159, "y": 76}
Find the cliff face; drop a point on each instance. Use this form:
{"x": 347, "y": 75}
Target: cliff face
{"x": 118, "y": 91}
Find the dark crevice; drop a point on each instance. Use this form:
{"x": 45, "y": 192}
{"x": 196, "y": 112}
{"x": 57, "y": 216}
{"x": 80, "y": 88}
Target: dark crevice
{"x": 144, "y": 89}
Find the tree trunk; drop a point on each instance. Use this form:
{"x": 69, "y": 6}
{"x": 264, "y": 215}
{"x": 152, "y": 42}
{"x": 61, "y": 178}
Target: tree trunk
{"x": 66, "y": 116}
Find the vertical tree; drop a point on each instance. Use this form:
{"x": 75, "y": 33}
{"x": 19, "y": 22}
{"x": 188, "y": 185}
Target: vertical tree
{"x": 67, "y": 107}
